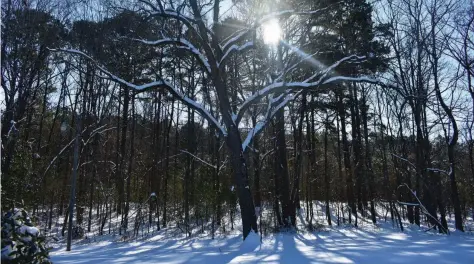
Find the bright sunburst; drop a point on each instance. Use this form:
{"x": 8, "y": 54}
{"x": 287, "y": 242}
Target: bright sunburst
{"x": 271, "y": 32}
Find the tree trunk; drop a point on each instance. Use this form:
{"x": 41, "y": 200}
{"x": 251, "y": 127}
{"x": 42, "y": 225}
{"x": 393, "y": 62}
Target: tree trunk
{"x": 347, "y": 161}
{"x": 368, "y": 158}
{"x": 454, "y": 138}
{"x": 130, "y": 166}
{"x": 167, "y": 146}
{"x": 247, "y": 208}
{"x": 326, "y": 171}
{"x": 288, "y": 211}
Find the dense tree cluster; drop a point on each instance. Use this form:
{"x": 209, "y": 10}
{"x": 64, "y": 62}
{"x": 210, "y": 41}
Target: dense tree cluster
{"x": 165, "y": 106}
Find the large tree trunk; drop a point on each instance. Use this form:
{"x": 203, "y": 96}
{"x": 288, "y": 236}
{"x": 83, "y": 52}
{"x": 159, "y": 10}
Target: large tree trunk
{"x": 288, "y": 211}
{"x": 247, "y": 208}
{"x": 233, "y": 139}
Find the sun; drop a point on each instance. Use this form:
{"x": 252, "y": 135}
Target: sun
{"x": 271, "y": 32}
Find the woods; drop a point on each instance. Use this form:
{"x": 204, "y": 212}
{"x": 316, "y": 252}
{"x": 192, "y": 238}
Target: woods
{"x": 184, "y": 114}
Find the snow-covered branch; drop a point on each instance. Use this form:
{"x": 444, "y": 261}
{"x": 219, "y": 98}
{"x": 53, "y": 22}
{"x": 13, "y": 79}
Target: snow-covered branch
{"x": 155, "y": 84}
{"x": 99, "y": 130}
{"x": 331, "y": 68}
{"x": 185, "y": 44}
{"x": 59, "y": 154}
{"x": 99, "y": 161}
{"x": 96, "y": 131}
{"x": 292, "y": 67}
{"x": 12, "y": 128}
{"x": 270, "y": 113}
{"x": 364, "y": 79}
{"x": 448, "y": 173}
{"x": 152, "y": 6}
{"x": 279, "y": 87}
{"x": 406, "y": 160}
{"x": 233, "y": 49}
{"x": 423, "y": 208}
{"x": 201, "y": 160}
{"x": 191, "y": 23}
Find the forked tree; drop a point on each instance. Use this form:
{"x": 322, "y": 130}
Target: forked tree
{"x": 200, "y": 41}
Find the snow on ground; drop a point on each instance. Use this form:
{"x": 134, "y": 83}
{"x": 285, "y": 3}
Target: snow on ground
{"x": 334, "y": 245}
{"x": 383, "y": 243}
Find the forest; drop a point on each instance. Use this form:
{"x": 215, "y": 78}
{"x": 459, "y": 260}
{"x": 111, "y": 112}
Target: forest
{"x": 209, "y": 115}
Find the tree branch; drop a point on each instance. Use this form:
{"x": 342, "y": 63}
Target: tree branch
{"x": 270, "y": 113}
{"x": 196, "y": 157}
{"x": 186, "y": 45}
{"x": 155, "y": 84}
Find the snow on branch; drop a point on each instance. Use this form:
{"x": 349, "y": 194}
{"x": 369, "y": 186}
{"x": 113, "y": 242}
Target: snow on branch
{"x": 269, "y": 115}
{"x": 168, "y": 13}
{"x": 152, "y": 6}
{"x": 365, "y": 79}
{"x": 98, "y": 130}
{"x": 155, "y": 84}
{"x": 12, "y": 128}
{"x": 84, "y": 143}
{"x": 292, "y": 67}
{"x": 423, "y": 208}
{"x": 184, "y": 44}
{"x": 260, "y": 124}
{"x": 59, "y": 154}
{"x": 186, "y": 20}
{"x": 178, "y": 14}
{"x": 201, "y": 160}
{"x": 406, "y": 160}
{"x": 331, "y": 68}
{"x": 233, "y": 49}
{"x": 280, "y": 86}
{"x": 448, "y": 173}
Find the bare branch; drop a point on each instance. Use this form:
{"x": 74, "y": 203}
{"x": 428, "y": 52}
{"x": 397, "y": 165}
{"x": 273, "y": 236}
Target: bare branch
{"x": 196, "y": 157}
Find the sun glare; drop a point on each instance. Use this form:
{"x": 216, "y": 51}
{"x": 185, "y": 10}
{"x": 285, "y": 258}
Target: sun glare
{"x": 271, "y": 32}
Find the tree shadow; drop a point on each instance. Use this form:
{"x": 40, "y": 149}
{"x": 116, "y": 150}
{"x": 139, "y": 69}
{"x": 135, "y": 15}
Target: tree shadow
{"x": 343, "y": 246}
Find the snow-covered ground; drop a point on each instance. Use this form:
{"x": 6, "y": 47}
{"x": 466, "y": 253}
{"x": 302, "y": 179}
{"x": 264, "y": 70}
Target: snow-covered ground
{"x": 343, "y": 245}
{"x": 366, "y": 244}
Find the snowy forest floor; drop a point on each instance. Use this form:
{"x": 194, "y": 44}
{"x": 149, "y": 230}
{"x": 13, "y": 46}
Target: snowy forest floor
{"x": 366, "y": 244}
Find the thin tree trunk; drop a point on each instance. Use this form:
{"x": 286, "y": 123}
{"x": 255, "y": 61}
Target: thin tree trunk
{"x": 347, "y": 162}
{"x": 326, "y": 171}
{"x": 130, "y": 165}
